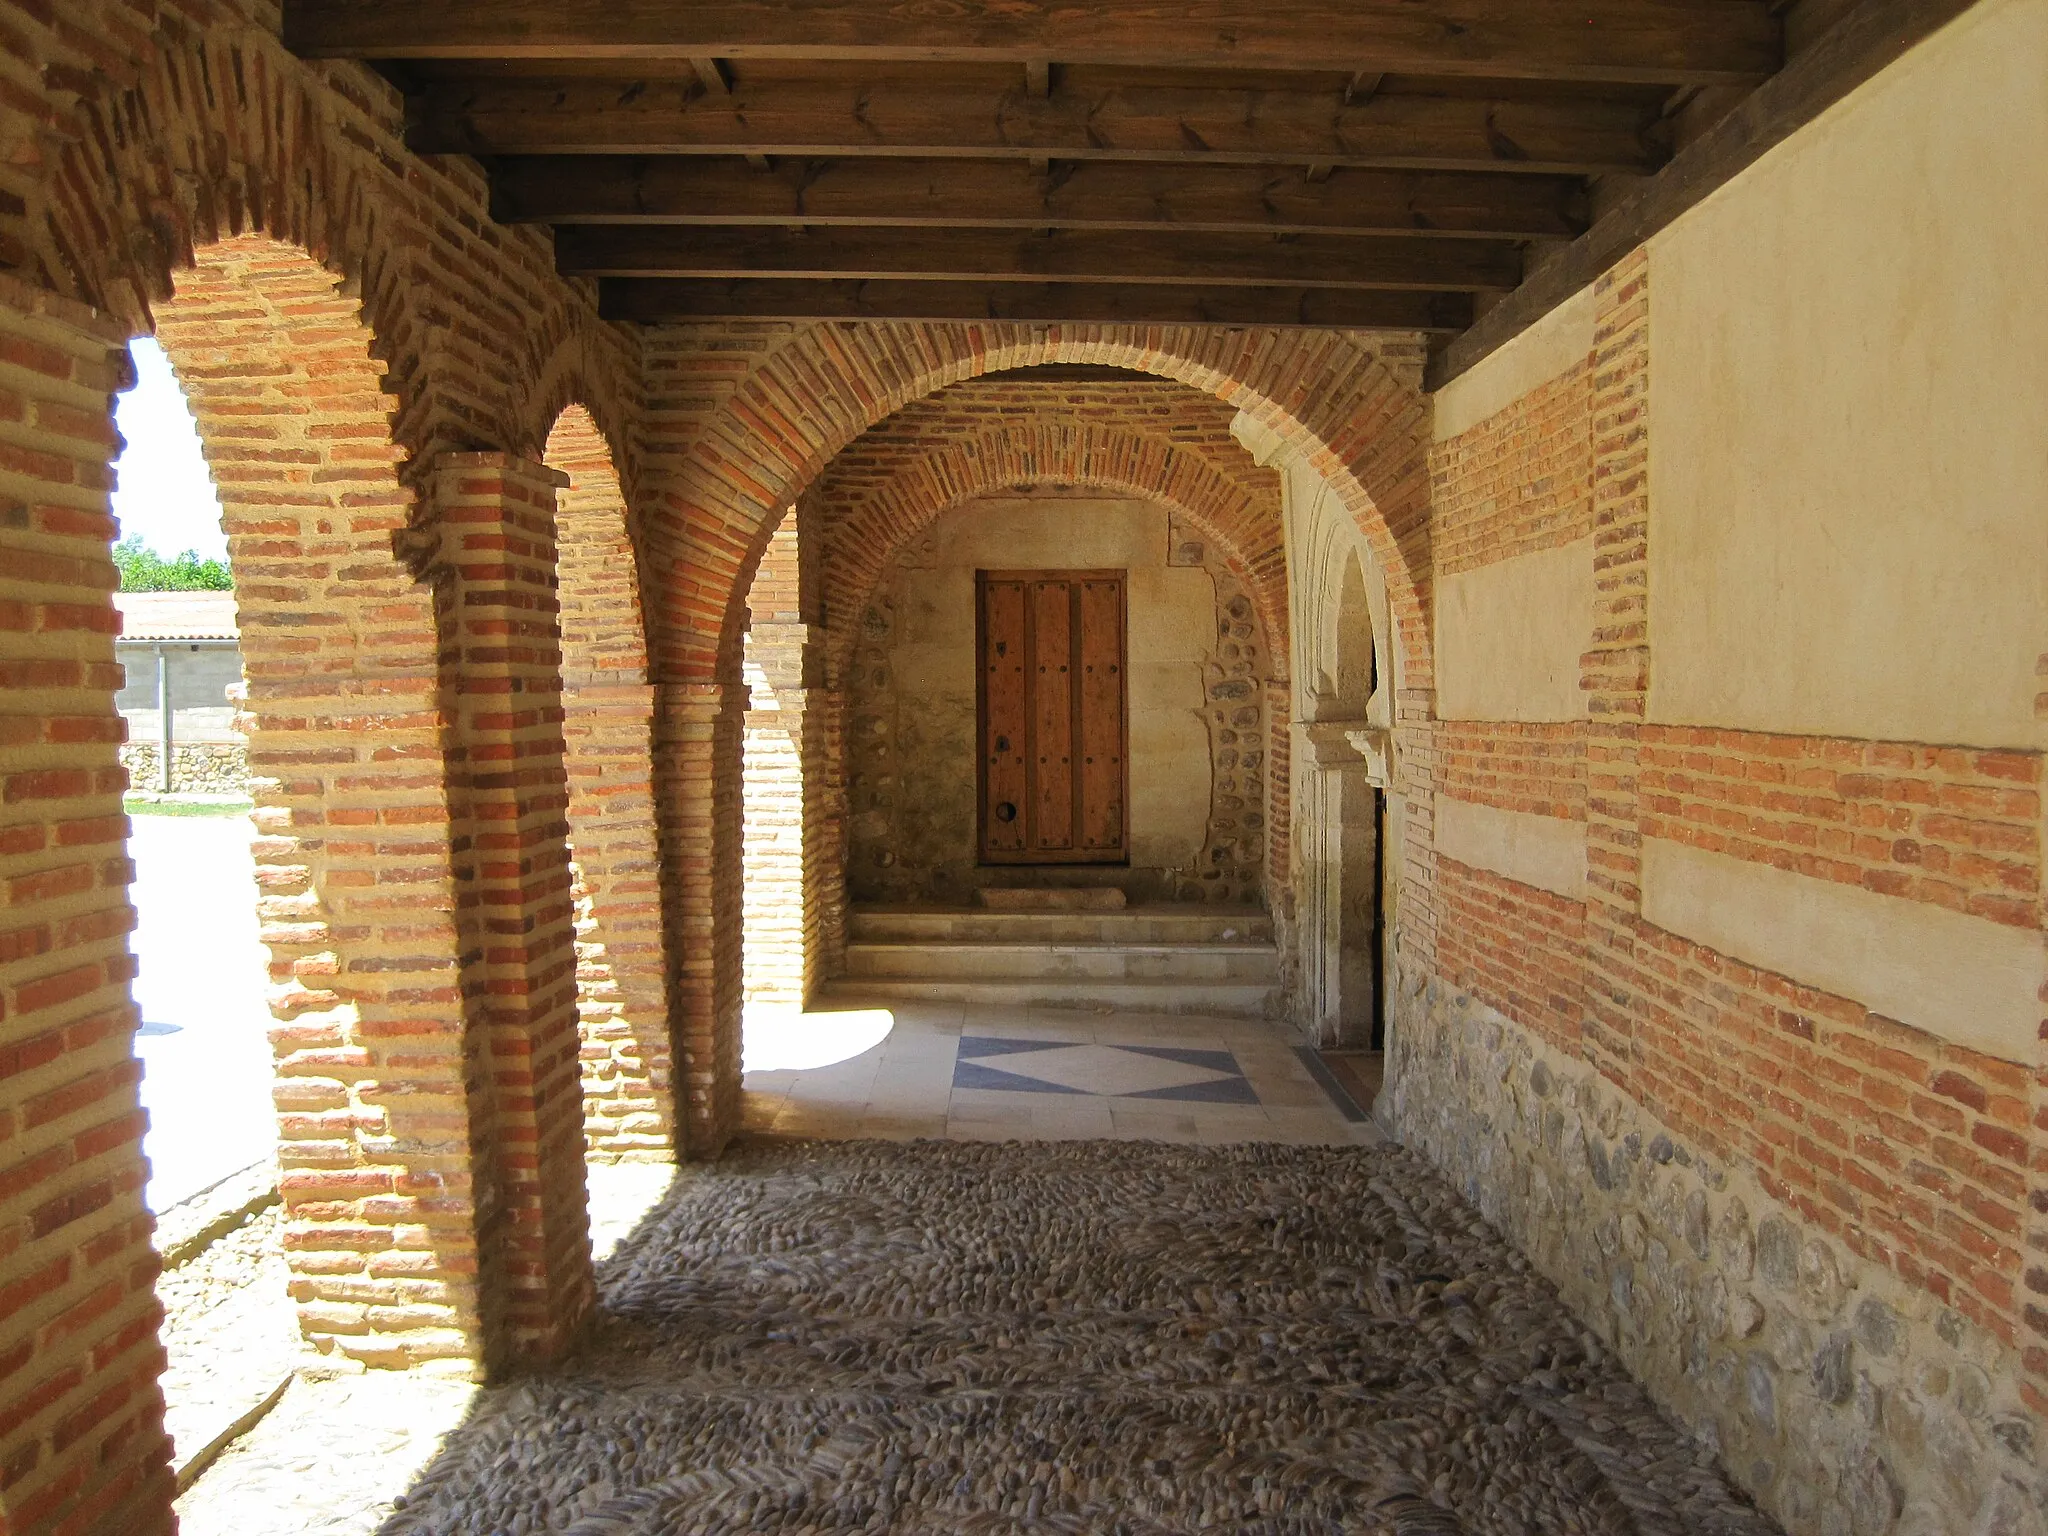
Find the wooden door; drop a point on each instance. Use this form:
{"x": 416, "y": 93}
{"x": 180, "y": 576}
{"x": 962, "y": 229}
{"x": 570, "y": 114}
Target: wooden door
{"x": 1055, "y": 760}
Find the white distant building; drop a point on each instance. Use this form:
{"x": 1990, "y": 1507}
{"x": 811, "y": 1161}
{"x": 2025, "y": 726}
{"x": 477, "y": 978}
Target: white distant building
{"x": 187, "y": 644}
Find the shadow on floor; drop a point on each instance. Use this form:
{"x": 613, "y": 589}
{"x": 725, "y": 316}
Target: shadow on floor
{"x": 1070, "y": 1337}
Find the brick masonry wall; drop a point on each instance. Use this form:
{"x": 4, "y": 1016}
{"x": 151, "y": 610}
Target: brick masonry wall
{"x": 1949, "y": 826}
{"x": 1517, "y": 482}
{"x": 81, "y": 1418}
{"x": 1556, "y": 1044}
{"x": 1538, "y": 767}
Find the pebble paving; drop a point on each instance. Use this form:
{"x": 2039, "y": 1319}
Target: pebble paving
{"x": 1125, "y": 1338}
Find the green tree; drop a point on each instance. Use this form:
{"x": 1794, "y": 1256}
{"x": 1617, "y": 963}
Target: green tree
{"x": 144, "y": 570}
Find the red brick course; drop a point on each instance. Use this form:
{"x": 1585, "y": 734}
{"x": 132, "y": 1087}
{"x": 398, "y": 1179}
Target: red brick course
{"x": 1947, "y": 826}
{"x": 1517, "y": 482}
{"x": 1534, "y": 766}
{"x": 1521, "y": 949}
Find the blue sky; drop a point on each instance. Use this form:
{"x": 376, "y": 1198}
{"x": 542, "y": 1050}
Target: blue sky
{"x": 161, "y": 488}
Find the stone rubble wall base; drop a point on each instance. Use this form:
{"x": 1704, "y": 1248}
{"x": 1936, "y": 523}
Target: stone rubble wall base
{"x": 197, "y": 768}
{"x": 1845, "y": 1401}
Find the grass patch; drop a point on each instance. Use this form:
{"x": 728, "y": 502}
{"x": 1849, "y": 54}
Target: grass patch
{"x": 136, "y": 805}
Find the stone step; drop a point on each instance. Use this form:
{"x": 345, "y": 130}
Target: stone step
{"x": 1134, "y": 925}
{"x": 1229, "y": 999}
{"x": 977, "y": 960}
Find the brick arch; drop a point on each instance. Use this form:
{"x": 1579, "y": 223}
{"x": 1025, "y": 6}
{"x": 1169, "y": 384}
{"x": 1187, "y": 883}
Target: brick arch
{"x": 217, "y": 131}
{"x": 352, "y": 787}
{"x": 607, "y": 718}
{"x": 1353, "y": 407}
{"x": 922, "y": 489}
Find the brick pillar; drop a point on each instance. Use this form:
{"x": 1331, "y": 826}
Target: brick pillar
{"x": 698, "y": 772}
{"x": 501, "y": 686}
{"x": 825, "y": 828}
{"x": 82, "y": 1444}
{"x": 1615, "y": 671}
{"x": 622, "y": 967}
{"x": 781, "y": 922}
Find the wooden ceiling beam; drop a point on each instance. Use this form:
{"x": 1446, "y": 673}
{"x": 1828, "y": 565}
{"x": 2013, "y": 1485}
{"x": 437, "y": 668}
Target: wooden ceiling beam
{"x": 1664, "y": 42}
{"x": 818, "y": 119}
{"x": 669, "y": 301}
{"x": 983, "y": 255}
{"x": 1003, "y": 195}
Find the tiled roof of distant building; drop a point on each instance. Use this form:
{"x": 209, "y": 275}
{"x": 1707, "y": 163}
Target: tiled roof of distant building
{"x": 177, "y": 615}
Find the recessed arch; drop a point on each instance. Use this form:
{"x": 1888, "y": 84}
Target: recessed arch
{"x": 607, "y": 716}
{"x": 959, "y": 469}
{"x": 1338, "y": 399}
{"x": 1349, "y": 406}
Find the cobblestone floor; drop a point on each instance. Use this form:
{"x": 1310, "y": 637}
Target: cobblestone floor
{"x": 1074, "y": 1337}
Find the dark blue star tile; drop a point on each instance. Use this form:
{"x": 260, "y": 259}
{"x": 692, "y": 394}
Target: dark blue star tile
{"x": 1224, "y": 1090}
{"x": 1215, "y": 1061}
{"x": 968, "y": 1074}
{"x": 997, "y": 1045}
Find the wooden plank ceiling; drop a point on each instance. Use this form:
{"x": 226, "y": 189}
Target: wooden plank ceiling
{"x": 1363, "y": 163}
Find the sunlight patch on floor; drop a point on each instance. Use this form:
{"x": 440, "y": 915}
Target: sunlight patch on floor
{"x": 783, "y": 1038}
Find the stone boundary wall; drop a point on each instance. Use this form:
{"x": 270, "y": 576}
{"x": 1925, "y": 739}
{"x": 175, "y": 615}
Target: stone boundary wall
{"x": 197, "y": 768}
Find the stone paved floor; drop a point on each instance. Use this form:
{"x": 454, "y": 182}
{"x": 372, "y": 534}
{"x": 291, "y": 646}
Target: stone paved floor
{"x": 1053, "y": 1337}
{"x": 965, "y": 1072}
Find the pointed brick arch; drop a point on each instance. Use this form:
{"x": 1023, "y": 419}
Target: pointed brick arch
{"x": 607, "y": 717}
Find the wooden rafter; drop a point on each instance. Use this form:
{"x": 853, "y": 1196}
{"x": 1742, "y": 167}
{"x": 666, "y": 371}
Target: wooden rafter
{"x": 939, "y": 118}
{"x": 1067, "y": 255}
{"x": 689, "y": 190}
{"x": 674, "y": 301}
{"x": 1666, "y": 42}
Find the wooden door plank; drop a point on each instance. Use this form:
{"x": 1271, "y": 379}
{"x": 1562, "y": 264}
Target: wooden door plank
{"x": 1102, "y": 745}
{"x": 1005, "y": 721}
{"x": 1666, "y": 42}
{"x": 1052, "y": 716}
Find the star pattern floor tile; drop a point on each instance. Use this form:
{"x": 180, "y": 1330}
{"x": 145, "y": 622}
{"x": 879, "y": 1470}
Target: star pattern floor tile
{"x": 1092, "y": 1070}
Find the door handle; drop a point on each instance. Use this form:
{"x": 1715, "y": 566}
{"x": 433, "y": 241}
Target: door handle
{"x": 1006, "y": 812}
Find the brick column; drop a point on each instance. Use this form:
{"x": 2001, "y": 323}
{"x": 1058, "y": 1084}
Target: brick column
{"x": 779, "y": 912}
{"x": 698, "y": 772}
{"x": 501, "y": 686}
{"x": 825, "y": 828}
{"x": 82, "y": 1443}
{"x": 1615, "y": 671}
